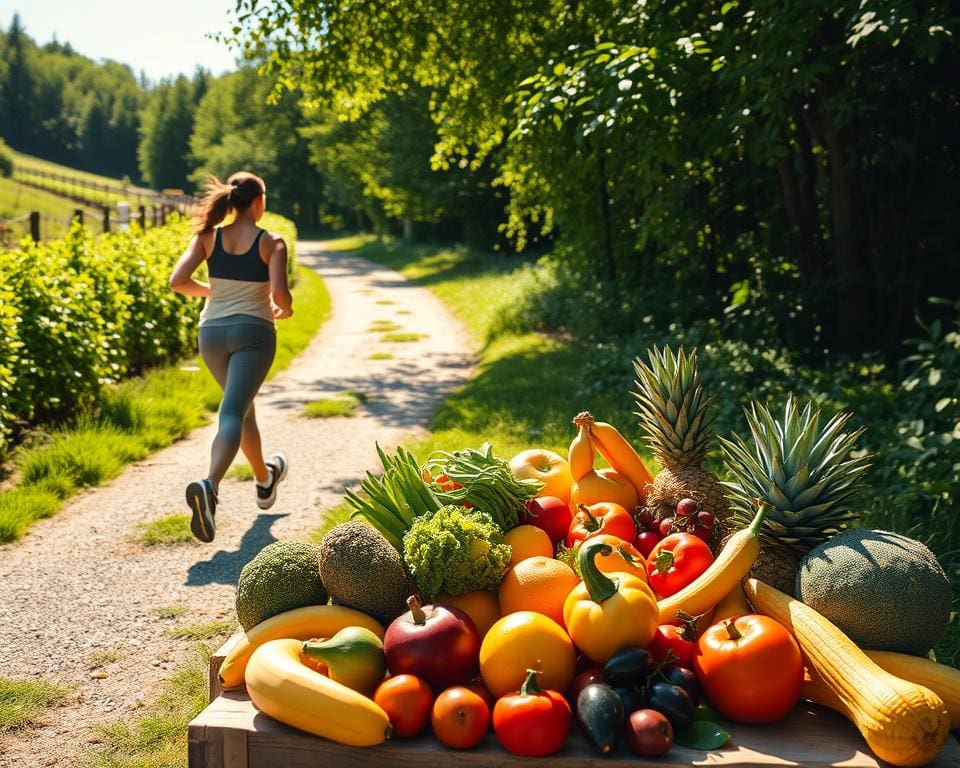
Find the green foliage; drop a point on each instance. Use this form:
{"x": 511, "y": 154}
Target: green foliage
{"x": 66, "y": 107}
{"x": 84, "y": 311}
{"x": 455, "y": 550}
{"x": 6, "y": 160}
{"x": 167, "y": 121}
{"x": 344, "y": 404}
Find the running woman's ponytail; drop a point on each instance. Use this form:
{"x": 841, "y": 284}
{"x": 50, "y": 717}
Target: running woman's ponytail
{"x": 220, "y": 198}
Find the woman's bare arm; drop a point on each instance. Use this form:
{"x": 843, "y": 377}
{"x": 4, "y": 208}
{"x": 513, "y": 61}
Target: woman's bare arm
{"x": 182, "y": 280}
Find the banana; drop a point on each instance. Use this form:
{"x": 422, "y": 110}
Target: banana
{"x": 733, "y": 563}
{"x": 620, "y": 455}
{"x": 280, "y": 685}
{"x": 305, "y": 623}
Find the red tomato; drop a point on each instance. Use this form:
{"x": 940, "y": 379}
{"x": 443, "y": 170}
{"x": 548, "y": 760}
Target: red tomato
{"x": 750, "y": 668}
{"x": 407, "y": 700}
{"x": 460, "y": 717}
{"x": 676, "y": 561}
{"x": 674, "y": 645}
{"x": 532, "y": 723}
{"x": 604, "y": 517}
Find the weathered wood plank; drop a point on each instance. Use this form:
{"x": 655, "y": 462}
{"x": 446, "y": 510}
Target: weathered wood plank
{"x": 809, "y": 736}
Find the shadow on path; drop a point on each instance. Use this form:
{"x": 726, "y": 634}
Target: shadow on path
{"x": 224, "y": 567}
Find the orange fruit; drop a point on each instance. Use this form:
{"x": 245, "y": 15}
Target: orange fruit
{"x": 480, "y": 605}
{"x": 528, "y": 541}
{"x": 537, "y": 584}
{"x": 526, "y": 640}
{"x": 460, "y": 717}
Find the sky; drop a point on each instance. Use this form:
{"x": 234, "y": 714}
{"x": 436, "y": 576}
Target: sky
{"x": 160, "y": 37}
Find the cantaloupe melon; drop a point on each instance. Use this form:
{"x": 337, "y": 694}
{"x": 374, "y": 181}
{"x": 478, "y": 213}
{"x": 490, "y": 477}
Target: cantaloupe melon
{"x": 885, "y": 591}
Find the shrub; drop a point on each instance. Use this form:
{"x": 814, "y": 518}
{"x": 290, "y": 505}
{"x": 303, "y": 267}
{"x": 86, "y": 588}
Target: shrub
{"x": 6, "y": 160}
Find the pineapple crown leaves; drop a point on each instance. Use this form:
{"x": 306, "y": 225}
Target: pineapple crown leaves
{"x": 804, "y": 471}
{"x": 673, "y": 409}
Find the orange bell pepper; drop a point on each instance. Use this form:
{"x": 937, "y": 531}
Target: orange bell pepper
{"x": 607, "y": 612}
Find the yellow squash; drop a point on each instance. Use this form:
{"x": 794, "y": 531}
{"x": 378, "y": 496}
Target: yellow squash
{"x": 280, "y": 685}
{"x": 312, "y": 621}
{"x": 732, "y": 563}
{"x": 939, "y": 678}
{"x": 904, "y": 723}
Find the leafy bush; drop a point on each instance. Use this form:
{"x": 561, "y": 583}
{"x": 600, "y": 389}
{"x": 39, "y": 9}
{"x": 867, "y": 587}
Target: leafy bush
{"x": 86, "y": 310}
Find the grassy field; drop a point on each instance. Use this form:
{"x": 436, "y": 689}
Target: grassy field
{"x": 17, "y": 200}
{"x": 35, "y": 163}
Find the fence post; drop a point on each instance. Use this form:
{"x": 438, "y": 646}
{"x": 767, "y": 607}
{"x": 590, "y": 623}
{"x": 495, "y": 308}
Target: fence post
{"x": 35, "y": 226}
{"x": 142, "y": 214}
{"x": 78, "y": 215}
{"x": 106, "y": 218}
{"x": 163, "y": 215}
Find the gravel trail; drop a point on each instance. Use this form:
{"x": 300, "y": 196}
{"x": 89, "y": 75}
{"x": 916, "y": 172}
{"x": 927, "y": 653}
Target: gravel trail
{"x": 82, "y": 599}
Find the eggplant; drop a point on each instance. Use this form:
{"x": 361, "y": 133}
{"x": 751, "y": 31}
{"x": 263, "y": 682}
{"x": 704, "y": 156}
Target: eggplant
{"x": 631, "y": 697}
{"x": 600, "y": 716}
{"x": 628, "y": 666}
{"x": 686, "y": 679}
{"x": 673, "y": 702}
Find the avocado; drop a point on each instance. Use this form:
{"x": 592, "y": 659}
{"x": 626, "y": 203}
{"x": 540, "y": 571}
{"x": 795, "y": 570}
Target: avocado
{"x": 362, "y": 570}
{"x": 885, "y": 591}
{"x": 282, "y": 576}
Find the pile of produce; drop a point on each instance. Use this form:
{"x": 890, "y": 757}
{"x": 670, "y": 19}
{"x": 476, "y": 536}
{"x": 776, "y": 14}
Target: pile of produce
{"x": 539, "y": 594}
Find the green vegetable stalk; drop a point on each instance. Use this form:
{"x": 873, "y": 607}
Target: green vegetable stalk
{"x": 455, "y": 550}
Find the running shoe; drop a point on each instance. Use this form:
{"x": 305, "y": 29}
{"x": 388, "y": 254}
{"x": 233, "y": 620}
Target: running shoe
{"x": 203, "y": 502}
{"x": 277, "y": 468}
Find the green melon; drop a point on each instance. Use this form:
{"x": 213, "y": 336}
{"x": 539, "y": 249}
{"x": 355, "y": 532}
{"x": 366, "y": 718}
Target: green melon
{"x": 885, "y": 591}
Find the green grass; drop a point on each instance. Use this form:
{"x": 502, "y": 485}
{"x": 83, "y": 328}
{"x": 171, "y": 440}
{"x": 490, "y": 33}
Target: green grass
{"x": 133, "y": 419}
{"x": 386, "y": 301}
{"x": 35, "y": 163}
{"x": 172, "y": 611}
{"x": 383, "y": 326}
{"x": 344, "y": 404}
{"x": 204, "y": 630}
{"x": 331, "y": 517}
{"x": 241, "y": 472}
{"x": 402, "y": 338}
{"x": 23, "y": 701}
{"x": 56, "y": 212}
{"x": 100, "y": 659}
{"x": 348, "y": 243}
{"x": 380, "y": 356}
{"x": 172, "y": 529}
{"x": 158, "y": 737}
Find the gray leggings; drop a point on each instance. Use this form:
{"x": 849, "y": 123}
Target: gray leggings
{"x": 239, "y": 357}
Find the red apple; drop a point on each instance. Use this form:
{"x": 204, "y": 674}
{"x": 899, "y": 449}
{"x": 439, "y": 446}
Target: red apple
{"x": 437, "y": 643}
{"x": 551, "y": 514}
{"x": 547, "y": 467}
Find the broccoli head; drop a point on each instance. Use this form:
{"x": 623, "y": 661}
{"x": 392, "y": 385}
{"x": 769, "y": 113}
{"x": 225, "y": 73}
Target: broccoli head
{"x": 455, "y": 550}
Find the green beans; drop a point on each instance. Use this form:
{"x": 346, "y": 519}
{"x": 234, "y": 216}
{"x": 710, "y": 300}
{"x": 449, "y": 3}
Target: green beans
{"x": 390, "y": 502}
{"x": 485, "y": 481}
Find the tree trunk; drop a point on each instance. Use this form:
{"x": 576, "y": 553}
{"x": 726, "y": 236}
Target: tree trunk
{"x": 611, "y": 263}
{"x": 854, "y": 318}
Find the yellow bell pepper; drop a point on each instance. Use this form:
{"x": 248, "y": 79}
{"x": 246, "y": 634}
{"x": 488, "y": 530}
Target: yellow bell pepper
{"x": 607, "y": 612}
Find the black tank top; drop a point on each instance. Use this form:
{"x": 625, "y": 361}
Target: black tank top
{"x": 238, "y": 266}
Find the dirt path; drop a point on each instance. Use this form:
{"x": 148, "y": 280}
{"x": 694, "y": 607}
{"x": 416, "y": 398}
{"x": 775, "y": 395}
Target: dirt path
{"x": 78, "y": 589}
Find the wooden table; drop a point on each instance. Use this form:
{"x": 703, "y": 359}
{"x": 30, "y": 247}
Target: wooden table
{"x": 232, "y": 733}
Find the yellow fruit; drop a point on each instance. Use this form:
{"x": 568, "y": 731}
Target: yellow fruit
{"x": 526, "y": 640}
{"x": 528, "y": 541}
{"x": 538, "y": 584}
{"x": 546, "y": 466}
{"x": 480, "y": 605}
{"x": 291, "y": 692}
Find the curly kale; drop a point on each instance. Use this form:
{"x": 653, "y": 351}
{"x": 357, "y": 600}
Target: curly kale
{"x": 455, "y": 550}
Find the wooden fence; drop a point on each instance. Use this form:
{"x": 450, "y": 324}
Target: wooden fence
{"x": 96, "y": 194}
{"x": 11, "y": 230}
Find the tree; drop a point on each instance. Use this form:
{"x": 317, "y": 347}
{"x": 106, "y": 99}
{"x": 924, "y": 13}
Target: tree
{"x": 166, "y": 124}
{"x": 17, "y": 88}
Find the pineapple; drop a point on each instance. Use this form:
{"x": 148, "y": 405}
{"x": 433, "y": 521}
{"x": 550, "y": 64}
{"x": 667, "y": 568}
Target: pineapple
{"x": 678, "y": 419}
{"x": 807, "y": 476}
